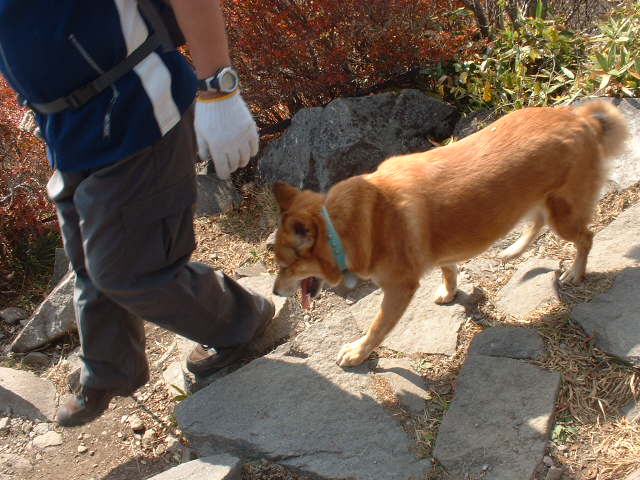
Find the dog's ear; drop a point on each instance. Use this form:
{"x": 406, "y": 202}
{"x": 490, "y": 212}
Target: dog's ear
{"x": 284, "y": 194}
{"x": 304, "y": 232}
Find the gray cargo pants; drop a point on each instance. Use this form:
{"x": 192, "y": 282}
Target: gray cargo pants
{"x": 128, "y": 231}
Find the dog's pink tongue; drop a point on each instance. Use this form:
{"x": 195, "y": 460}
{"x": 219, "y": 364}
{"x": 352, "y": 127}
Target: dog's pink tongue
{"x": 306, "y": 297}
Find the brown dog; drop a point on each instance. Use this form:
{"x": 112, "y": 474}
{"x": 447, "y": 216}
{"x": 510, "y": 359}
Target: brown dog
{"x": 446, "y": 205}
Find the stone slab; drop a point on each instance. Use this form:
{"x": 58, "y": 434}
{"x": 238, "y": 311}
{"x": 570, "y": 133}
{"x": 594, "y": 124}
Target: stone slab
{"x": 425, "y": 327}
{"x": 251, "y": 270}
{"x": 215, "y": 467}
{"x": 510, "y": 342}
{"x": 618, "y": 245}
{"x": 27, "y": 395}
{"x": 499, "y": 422}
{"x": 531, "y": 286}
{"x": 295, "y": 406}
{"x": 407, "y": 386}
{"x": 53, "y": 318}
{"x": 613, "y": 317}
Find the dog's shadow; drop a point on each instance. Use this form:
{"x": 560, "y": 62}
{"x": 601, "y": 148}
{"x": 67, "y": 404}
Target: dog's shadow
{"x": 535, "y": 272}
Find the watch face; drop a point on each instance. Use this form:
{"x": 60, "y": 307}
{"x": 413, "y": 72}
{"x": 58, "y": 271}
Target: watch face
{"x": 228, "y": 81}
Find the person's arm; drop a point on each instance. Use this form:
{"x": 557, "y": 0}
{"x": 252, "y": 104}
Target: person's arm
{"x": 225, "y": 129}
{"x": 202, "y": 24}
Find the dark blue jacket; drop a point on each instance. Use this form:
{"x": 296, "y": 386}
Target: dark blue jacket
{"x": 49, "y": 48}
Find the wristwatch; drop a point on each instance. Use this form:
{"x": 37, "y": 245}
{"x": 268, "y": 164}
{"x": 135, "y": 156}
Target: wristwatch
{"x": 225, "y": 80}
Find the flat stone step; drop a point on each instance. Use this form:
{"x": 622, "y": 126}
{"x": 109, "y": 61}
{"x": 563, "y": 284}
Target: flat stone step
{"x": 26, "y": 395}
{"x": 613, "y": 317}
{"x": 215, "y": 467}
{"x": 510, "y": 342}
{"x": 409, "y": 387}
{"x": 425, "y": 327}
{"x": 499, "y": 422}
{"x": 296, "y": 407}
{"x": 281, "y": 327}
{"x": 532, "y": 286}
{"x": 618, "y": 245}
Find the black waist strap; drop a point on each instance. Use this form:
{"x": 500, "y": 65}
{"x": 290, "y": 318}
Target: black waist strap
{"x": 82, "y": 95}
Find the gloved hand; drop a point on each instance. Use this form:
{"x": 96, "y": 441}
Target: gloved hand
{"x": 226, "y": 132}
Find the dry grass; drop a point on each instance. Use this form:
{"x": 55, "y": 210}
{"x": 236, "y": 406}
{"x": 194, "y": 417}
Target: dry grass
{"x": 232, "y": 240}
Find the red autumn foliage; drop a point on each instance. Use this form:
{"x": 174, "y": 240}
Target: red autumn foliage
{"x": 293, "y": 54}
{"x": 23, "y": 201}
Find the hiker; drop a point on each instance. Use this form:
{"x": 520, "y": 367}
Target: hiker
{"x": 115, "y": 103}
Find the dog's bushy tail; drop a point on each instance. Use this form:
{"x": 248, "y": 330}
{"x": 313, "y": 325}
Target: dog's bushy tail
{"x": 609, "y": 124}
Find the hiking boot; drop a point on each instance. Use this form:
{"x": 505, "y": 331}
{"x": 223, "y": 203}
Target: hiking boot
{"x": 88, "y": 403}
{"x": 205, "y": 360}
{"x": 84, "y": 407}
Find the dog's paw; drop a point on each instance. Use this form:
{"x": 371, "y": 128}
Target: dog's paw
{"x": 506, "y": 256}
{"x": 571, "y": 277}
{"x": 352, "y": 354}
{"x": 443, "y": 295}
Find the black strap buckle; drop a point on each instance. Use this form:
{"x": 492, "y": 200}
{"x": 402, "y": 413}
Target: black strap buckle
{"x": 73, "y": 100}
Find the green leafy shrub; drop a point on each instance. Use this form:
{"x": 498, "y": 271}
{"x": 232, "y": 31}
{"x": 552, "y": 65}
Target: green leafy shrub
{"x": 539, "y": 62}
{"x": 534, "y": 63}
{"x": 616, "y": 53}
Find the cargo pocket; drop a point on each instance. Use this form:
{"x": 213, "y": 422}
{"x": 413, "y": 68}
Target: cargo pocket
{"x": 159, "y": 228}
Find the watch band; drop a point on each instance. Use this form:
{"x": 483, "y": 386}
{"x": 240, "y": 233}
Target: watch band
{"x": 212, "y": 84}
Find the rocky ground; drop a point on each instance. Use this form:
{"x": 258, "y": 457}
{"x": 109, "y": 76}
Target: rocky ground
{"x": 139, "y": 437}
{"x": 517, "y": 378}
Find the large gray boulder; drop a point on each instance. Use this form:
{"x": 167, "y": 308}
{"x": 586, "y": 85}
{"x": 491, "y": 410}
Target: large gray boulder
{"x": 351, "y": 136}
{"x": 52, "y": 319}
{"x": 215, "y": 196}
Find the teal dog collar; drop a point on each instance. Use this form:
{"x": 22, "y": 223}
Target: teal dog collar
{"x": 350, "y": 279}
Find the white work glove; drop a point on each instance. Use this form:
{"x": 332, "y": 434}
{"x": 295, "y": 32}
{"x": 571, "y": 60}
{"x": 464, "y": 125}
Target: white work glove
{"x": 226, "y": 133}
